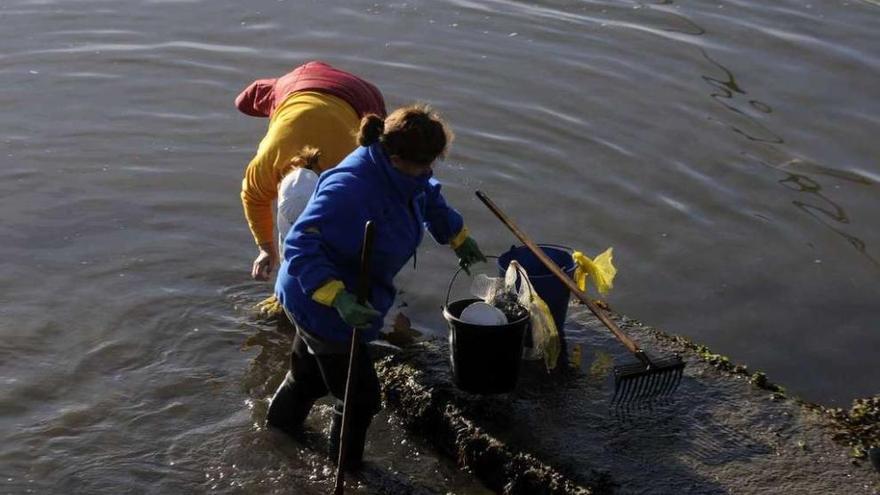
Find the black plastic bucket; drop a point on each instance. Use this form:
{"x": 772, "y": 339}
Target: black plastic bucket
{"x": 485, "y": 359}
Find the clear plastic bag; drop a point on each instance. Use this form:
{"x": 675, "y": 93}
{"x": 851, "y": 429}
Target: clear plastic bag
{"x": 487, "y": 288}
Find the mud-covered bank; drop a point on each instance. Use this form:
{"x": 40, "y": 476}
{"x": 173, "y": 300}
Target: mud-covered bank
{"x": 416, "y": 389}
{"x": 728, "y": 430}
{"x": 857, "y": 428}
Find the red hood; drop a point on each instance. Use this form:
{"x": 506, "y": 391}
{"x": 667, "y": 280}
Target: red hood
{"x": 257, "y": 99}
{"x": 263, "y": 95}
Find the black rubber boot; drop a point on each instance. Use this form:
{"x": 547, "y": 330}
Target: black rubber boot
{"x": 288, "y": 408}
{"x": 357, "y": 439}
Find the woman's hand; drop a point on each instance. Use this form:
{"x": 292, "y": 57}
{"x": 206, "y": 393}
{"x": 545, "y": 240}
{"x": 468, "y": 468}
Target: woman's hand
{"x": 469, "y": 253}
{"x": 353, "y": 313}
{"x": 265, "y": 262}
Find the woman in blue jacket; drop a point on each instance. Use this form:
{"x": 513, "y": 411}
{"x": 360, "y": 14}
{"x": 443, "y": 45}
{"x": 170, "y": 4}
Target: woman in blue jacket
{"x": 388, "y": 180}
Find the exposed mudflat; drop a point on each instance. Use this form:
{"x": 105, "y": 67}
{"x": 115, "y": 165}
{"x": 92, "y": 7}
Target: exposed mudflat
{"x": 726, "y": 430}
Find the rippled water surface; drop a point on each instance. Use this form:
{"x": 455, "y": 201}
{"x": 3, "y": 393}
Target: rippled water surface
{"x": 727, "y": 150}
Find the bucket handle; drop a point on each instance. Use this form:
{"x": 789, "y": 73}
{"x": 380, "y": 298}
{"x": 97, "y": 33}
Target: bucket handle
{"x": 454, "y": 276}
{"x": 567, "y": 249}
{"x": 520, "y": 271}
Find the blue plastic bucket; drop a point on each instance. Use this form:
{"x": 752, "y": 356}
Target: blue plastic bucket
{"x": 550, "y": 288}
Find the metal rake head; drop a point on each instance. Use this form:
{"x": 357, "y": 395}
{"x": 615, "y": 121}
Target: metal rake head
{"x": 641, "y": 381}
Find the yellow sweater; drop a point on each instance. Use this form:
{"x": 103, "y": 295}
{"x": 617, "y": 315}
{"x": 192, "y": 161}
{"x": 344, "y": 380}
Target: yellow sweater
{"x": 303, "y": 119}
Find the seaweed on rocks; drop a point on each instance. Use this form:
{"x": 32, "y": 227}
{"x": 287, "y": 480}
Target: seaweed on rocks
{"x": 858, "y": 428}
{"x": 717, "y": 361}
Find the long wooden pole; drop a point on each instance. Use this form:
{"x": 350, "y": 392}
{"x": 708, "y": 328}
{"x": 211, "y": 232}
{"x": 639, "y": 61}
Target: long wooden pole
{"x": 363, "y": 290}
{"x": 554, "y": 268}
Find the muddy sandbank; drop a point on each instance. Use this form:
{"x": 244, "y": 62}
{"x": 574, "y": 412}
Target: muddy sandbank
{"x": 727, "y": 430}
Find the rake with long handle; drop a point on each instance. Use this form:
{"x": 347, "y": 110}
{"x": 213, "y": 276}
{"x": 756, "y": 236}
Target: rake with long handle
{"x": 363, "y": 290}
{"x": 647, "y": 379}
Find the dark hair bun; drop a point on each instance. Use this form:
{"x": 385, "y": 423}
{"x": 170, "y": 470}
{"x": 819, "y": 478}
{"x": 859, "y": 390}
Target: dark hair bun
{"x": 371, "y": 130}
{"x": 416, "y": 133}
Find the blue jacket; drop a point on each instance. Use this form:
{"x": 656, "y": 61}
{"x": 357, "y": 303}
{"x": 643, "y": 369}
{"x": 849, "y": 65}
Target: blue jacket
{"x": 325, "y": 242}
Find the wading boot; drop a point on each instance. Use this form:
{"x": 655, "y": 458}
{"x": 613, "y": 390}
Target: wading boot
{"x": 357, "y": 438}
{"x": 288, "y": 408}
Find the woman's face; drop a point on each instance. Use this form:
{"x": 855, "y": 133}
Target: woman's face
{"x": 412, "y": 169}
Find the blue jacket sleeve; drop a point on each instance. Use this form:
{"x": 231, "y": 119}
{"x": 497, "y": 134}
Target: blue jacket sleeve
{"x": 441, "y": 220}
{"x": 328, "y": 234}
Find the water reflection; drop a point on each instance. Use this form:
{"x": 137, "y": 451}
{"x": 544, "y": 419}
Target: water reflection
{"x": 651, "y": 18}
{"x": 818, "y": 205}
{"x": 728, "y": 91}
{"x": 826, "y": 211}
{"x": 805, "y": 167}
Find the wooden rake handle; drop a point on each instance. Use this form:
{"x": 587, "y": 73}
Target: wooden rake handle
{"x": 554, "y": 268}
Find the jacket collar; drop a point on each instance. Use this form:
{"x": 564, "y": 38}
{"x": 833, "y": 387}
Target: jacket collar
{"x": 405, "y": 186}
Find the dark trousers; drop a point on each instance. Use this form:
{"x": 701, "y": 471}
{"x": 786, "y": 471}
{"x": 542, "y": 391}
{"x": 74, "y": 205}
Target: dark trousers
{"x": 314, "y": 376}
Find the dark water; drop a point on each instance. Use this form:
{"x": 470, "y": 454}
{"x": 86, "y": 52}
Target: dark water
{"x": 726, "y": 150}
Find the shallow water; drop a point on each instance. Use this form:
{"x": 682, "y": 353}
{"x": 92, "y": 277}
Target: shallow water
{"x": 726, "y": 150}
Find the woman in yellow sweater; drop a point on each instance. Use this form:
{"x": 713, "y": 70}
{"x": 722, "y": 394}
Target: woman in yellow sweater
{"x": 315, "y": 105}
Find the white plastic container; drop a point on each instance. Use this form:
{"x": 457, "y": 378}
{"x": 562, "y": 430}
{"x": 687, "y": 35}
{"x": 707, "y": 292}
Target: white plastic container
{"x": 481, "y": 313}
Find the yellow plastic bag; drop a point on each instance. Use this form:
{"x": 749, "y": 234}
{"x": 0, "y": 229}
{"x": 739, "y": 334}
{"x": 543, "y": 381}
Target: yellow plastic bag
{"x": 600, "y": 270}
{"x": 542, "y": 319}
{"x": 545, "y": 335}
